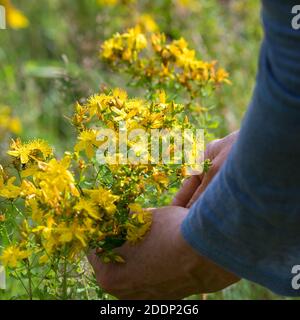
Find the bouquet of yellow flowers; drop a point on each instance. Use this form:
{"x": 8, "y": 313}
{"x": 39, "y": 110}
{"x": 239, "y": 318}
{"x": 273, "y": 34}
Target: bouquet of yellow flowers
{"x": 65, "y": 207}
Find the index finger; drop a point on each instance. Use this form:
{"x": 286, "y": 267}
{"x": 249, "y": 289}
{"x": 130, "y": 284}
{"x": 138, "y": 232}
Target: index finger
{"x": 187, "y": 190}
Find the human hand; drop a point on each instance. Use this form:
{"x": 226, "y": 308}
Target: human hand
{"x": 217, "y": 151}
{"x": 162, "y": 266}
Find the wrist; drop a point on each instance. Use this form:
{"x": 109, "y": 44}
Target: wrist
{"x": 203, "y": 275}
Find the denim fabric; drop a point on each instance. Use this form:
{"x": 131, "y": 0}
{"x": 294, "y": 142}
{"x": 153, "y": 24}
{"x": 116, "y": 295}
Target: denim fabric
{"x": 248, "y": 219}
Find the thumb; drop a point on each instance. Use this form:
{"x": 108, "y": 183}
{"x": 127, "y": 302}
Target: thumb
{"x": 187, "y": 190}
{"x": 204, "y": 184}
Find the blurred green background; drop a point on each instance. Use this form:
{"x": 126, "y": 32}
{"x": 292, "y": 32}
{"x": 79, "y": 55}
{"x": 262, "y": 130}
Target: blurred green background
{"x": 51, "y": 60}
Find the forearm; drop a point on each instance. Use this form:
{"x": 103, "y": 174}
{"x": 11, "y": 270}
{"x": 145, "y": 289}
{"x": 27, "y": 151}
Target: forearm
{"x": 205, "y": 275}
{"x": 248, "y": 214}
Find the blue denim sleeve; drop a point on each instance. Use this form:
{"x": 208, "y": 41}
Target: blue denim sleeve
{"x": 248, "y": 219}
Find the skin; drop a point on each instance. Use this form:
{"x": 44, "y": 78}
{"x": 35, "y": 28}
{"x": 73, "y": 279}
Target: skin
{"x": 164, "y": 265}
{"x": 217, "y": 151}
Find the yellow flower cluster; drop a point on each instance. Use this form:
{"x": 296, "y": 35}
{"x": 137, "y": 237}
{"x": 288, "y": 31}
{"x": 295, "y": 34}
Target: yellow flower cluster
{"x": 60, "y": 216}
{"x": 163, "y": 61}
{"x": 125, "y": 47}
{"x": 180, "y": 62}
{"x": 116, "y": 106}
{"x": 74, "y": 204}
{"x": 12, "y": 255}
{"x": 147, "y": 23}
{"x": 30, "y": 152}
{"x": 108, "y": 111}
{"x": 8, "y": 189}
{"x": 139, "y": 223}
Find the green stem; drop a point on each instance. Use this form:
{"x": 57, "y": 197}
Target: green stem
{"x": 29, "y": 280}
{"x": 64, "y": 282}
{"x": 22, "y": 283}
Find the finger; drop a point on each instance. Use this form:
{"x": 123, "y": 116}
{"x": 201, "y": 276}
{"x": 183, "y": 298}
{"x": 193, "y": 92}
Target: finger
{"x": 188, "y": 188}
{"x": 93, "y": 260}
{"x": 196, "y": 195}
{"x": 202, "y": 187}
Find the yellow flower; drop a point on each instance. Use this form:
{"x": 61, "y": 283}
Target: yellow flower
{"x": 31, "y": 170}
{"x": 56, "y": 181}
{"x": 12, "y": 255}
{"x": 126, "y": 46}
{"x": 160, "y": 178}
{"x": 44, "y": 259}
{"x": 96, "y": 103}
{"x": 221, "y": 76}
{"x": 138, "y": 225}
{"x": 135, "y": 207}
{"x": 15, "y": 125}
{"x": 72, "y": 232}
{"x": 47, "y": 230}
{"x": 37, "y": 150}
{"x": 158, "y": 40}
{"x": 89, "y": 207}
{"x": 15, "y": 18}
{"x": 9, "y": 191}
{"x": 153, "y": 120}
{"x": 36, "y": 213}
{"x": 66, "y": 235}
{"x": 120, "y": 94}
{"x": 147, "y": 23}
{"x": 87, "y": 142}
{"x": 103, "y": 198}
